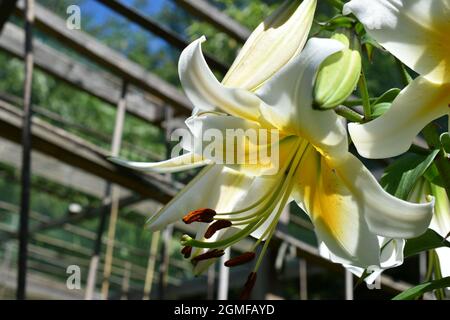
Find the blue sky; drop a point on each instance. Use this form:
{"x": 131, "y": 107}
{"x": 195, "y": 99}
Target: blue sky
{"x": 100, "y": 13}
{"x": 92, "y": 6}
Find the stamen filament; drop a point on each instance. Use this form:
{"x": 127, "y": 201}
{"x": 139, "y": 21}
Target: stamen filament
{"x": 271, "y": 229}
{"x": 265, "y": 211}
{"x": 264, "y": 198}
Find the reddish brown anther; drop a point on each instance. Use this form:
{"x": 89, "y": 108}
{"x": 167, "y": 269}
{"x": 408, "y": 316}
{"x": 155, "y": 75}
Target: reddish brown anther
{"x": 186, "y": 251}
{"x": 215, "y": 253}
{"x": 248, "y": 287}
{"x": 243, "y": 258}
{"x": 216, "y": 226}
{"x": 199, "y": 215}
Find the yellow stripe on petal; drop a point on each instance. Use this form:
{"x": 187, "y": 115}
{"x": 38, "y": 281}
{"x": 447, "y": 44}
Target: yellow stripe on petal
{"x": 386, "y": 215}
{"x": 335, "y": 212}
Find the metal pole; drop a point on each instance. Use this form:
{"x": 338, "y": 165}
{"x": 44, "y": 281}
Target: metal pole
{"x": 115, "y": 194}
{"x": 224, "y": 277}
{"x": 26, "y": 152}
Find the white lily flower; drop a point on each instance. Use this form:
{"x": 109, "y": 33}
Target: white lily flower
{"x": 350, "y": 210}
{"x": 351, "y": 213}
{"x": 418, "y": 34}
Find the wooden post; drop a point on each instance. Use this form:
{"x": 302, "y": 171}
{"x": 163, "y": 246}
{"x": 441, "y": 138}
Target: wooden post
{"x": 115, "y": 192}
{"x": 303, "y": 277}
{"x": 26, "y": 152}
{"x": 164, "y": 264}
{"x": 126, "y": 281}
{"x": 151, "y": 266}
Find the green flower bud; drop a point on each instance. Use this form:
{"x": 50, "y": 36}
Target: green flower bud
{"x": 338, "y": 76}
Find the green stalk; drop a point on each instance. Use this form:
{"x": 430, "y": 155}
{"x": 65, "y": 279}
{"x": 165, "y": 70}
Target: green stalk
{"x": 362, "y": 84}
{"x": 440, "y": 293}
{"x": 357, "y": 102}
{"x": 349, "y": 114}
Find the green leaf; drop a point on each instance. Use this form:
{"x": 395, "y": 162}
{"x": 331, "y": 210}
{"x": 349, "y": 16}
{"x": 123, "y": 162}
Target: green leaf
{"x": 445, "y": 141}
{"x": 337, "y": 22}
{"x": 401, "y": 176}
{"x": 427, "y": 241}
{"x": 380, "y": 108}
{"x": 388, "y": 96}
{"x": 433, "y": 176}
{"x": 384, "y": 102}
{"x": 419, "y": 290}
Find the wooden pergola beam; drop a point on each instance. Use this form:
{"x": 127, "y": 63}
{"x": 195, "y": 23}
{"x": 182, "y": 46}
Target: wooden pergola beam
{"x": 154, "y": 27}
{"x": 220, "y": 20}
{"x": 78, "y": 153}
{"x": 78, "y": 75}
{"x": 108, "y": 58}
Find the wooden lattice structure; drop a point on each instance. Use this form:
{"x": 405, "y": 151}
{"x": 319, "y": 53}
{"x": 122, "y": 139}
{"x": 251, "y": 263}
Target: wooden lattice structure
{"x": 131, "y": 90}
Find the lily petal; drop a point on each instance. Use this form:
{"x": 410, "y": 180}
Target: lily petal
{"x": 416, "y": 32}
{"x": 386, "y": 215}
{"x": 392, "y": 134}
{"x": 239, "y": 144}
{"x": 288, "y": 98}
{"x": 273, "y": 43}
{"x": 337, "y": 215}
{"x": 391, "y": 256}
{"x": 206, "y": 93}
{"x": 215, "y": 187}
{"x": 181, "y": 163}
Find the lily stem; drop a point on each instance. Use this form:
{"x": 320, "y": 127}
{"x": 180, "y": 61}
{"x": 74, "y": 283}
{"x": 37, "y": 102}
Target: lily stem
{"x": 357, "y": 102}
{"x": 349, "y": 114}
{"x": 365, "y": 96}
